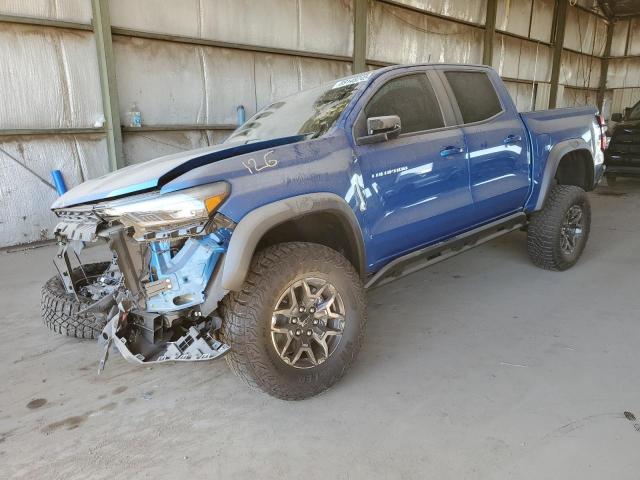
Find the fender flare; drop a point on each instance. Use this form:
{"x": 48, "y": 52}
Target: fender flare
{"x": 556, "y": 154}
{"x": 253, "y": 226}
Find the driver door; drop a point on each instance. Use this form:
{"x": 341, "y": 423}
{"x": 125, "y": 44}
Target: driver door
{"x": 416, "y": 185}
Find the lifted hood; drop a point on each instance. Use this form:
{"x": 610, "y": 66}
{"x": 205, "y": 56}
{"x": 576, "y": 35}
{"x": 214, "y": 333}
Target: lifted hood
{"x": 153, "y": 174}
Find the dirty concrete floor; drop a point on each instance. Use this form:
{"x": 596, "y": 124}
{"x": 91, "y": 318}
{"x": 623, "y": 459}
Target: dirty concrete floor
{"x": 480, "y": 367}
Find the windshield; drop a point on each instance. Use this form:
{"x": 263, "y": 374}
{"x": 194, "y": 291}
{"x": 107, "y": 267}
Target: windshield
{"x": 310, "y": 112}
{"x": 635, "y": 112}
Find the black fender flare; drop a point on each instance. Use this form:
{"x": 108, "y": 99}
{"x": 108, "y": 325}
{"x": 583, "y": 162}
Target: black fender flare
{"x": 556, "y": 154}
{"x": 253, "y": 226}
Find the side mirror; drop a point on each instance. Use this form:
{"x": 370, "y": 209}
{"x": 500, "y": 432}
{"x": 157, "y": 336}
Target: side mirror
{"x": 381, "y": 129}
{"x": 616, "y": 117}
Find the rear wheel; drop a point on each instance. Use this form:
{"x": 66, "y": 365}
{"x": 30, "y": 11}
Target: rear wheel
{"x": 297, "y": 324}
{"x": 558, "y": 233}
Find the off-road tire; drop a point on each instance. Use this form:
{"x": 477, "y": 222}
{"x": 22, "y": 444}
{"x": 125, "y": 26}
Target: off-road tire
{"x": 544, "y": 231}
{"x": 247, "y": 318}
{"x": 60, "y": 309}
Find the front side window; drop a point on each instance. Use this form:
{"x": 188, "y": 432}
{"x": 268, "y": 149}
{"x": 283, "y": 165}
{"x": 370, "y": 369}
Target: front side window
{"x": 475, "y": 94}
{"x": 411, "y": 98}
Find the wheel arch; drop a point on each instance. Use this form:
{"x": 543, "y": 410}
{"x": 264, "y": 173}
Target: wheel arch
{"x": 569, "y": 163}
{"x": 323, "y": 218}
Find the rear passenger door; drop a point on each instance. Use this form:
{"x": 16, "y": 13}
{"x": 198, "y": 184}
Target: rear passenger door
{"x": 496, "y": 143}
{"x": 416, "y": 186}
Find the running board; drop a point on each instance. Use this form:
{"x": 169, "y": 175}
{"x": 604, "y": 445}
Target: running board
{"x": 432, "y": 254}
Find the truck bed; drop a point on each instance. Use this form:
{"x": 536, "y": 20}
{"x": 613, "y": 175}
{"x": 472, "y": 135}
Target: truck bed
{"x": 549, "y": 127}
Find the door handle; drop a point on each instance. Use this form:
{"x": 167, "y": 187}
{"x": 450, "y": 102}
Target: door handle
{"x": 512, "y": 139}
{"x": 451, "y": 150}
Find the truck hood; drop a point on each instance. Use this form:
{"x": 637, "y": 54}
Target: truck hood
{"x": 153, "y": 174}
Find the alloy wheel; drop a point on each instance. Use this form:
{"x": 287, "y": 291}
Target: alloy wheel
{"x": 572, "y": 229}
{"x": 307, "y": 322}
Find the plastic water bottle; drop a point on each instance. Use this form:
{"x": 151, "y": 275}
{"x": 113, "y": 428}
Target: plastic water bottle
{"x": 135, "y": 117}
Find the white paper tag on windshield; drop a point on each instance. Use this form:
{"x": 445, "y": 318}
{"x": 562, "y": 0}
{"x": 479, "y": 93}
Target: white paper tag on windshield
{"x": 360, "y": 77}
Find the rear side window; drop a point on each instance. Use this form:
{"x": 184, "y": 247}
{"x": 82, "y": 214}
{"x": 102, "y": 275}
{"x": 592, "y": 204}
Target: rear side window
{"x": 411, "y": 98}
{"x": 475, "y": 94}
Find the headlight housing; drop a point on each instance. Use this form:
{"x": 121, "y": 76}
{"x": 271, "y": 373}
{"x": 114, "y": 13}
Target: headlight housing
{"x": 172, "y": 213}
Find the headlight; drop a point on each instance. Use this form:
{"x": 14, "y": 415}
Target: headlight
{"x": 156, "y": 212}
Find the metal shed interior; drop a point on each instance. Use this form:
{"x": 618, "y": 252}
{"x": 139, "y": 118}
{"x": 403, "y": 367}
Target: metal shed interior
{"x": 72, "y": 69}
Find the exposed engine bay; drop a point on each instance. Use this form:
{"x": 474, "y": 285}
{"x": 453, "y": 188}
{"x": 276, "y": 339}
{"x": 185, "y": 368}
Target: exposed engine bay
{"x": 159, "y": 293}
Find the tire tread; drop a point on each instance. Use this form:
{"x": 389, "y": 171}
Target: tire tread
{"x": 543, "y": 233}
{"x": 241, "y": 317}
{"x": 59, "y": 310}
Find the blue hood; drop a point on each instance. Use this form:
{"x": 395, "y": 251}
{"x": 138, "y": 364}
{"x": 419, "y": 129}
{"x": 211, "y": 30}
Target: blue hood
{"x": 153, "y": 174}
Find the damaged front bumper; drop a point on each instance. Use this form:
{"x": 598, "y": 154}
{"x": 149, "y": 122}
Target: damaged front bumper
{"x": 162, "y": 305}
{"x": 196, "y": 345}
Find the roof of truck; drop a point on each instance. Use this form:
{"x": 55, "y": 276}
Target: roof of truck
{"x": 407, "y": 65}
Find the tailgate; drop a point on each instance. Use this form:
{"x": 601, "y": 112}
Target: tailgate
{"x": 624, "y": 147}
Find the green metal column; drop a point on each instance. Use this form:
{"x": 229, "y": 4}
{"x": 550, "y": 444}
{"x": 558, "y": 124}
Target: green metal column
{"x": 106, "y": 65}
{"x": 558, "y": 42}
{"x": 489, "y": 32}
{"x": 604, "y": 69}
{"x": 360, "y": 36}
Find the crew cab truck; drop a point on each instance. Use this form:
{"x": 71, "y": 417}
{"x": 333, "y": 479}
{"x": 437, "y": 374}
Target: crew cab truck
{"x": 260, "y": 249}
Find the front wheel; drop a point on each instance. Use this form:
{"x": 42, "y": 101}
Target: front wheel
{"x": 558, "y": 233}
{"x": 298, "y": 323}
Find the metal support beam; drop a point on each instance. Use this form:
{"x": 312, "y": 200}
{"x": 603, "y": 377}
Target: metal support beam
{"x": 44, "y": 22}
{"x": 180, "y": 128}
{"x": 50, "y": 131}
{"x": 489, "y": 31}
{"x": 628, "y": 40}
{"x": 360, "y": 36}
{"x": 522, "y": 37}
{"x": 106, "y": 65}
{"x": 558, "y": 41}
{"x": 604, "y": 68}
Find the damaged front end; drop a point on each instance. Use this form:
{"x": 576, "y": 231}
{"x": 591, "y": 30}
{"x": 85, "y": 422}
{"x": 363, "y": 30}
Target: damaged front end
{"x": 162, "y": 288}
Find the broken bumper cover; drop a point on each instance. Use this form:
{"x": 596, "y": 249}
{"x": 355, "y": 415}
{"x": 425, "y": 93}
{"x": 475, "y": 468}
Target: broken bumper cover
{"x": 194, "y": 346}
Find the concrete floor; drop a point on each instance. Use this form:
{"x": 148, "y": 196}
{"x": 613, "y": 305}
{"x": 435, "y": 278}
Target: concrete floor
{"x": 480, "y": 367}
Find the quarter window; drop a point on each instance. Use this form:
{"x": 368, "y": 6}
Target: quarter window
{"x": 475, "y": 94}
{"x": 411, "y": 98}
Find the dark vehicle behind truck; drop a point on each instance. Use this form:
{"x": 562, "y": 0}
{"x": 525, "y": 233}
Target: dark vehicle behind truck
{"x": 622, "y": 157}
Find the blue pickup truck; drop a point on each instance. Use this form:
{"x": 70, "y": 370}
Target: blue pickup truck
{"x": 261, "y": 249}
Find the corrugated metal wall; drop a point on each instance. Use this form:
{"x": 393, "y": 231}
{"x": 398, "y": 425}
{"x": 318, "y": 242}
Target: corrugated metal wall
{"x": 624, "y": 71}
{"x": 522, "y": 52}
{"x": 188, "y": 65}
{"x": 49, "y": 80}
